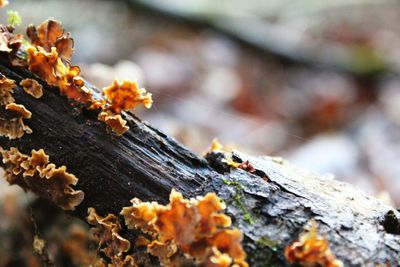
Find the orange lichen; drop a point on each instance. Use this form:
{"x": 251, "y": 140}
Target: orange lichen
{"x": 7, "y": 87}
{"x": 11, "y": 118}
{"x": 37, "y": 174}
{"x": 13, "y": 127}
{"x": 20, "y": 109}
{"x": 188, "y": 228}
{"x": 32, "y": 87}
{"x": 77, "y": 245}
{"x": 311, "y": 250}
{"x": 210, "y": 220}
{"x": 114, "y": 121}
{"x": 49, "y": 58}
{"x": 44, "y": 64}
{"x": 51, "y": 34}
{"x": 126, "y": 95}
{"x": 49, "y": 67}
{"x": 121, "y": 96}
{"x": 106, "y": 231}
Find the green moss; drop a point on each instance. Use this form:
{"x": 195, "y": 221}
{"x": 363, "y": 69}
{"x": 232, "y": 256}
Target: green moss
{"x": 14, "y": 19}
{"x": 238, "y": 198}
{"x": 233, "y": 183}
{"x": 266, "y": 242}
{"x": 247, "y": 216}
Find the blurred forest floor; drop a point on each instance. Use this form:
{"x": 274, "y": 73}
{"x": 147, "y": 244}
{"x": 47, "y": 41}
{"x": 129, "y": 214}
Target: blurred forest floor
{"x": 325, "y": 93}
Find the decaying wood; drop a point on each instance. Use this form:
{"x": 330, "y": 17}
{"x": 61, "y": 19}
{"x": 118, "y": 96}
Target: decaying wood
{"x": 270, "y": 205}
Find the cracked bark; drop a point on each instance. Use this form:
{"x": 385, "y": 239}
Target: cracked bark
{"x": 147, "y": 164}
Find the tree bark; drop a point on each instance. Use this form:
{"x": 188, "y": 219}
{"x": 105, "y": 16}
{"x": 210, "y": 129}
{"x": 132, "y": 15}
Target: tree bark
{"x": 270, "y": 205}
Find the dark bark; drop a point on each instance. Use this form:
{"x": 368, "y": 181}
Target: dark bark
{"x": 147, "y": 164}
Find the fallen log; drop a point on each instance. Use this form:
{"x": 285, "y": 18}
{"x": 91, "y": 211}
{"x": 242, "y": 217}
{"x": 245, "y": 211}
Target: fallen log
{"x": 270, "y": 204}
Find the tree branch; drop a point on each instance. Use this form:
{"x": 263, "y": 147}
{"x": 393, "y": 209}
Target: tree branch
{"x": 270, "y": 205}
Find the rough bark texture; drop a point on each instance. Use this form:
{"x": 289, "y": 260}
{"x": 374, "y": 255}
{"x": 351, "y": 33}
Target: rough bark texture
{"x": 147, "y": 164}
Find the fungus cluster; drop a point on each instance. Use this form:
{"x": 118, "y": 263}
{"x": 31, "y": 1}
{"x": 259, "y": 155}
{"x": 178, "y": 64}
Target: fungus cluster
{"x": 183, "y": 231}
{"x": 121, "y": 96}
{"x": 34, "y": 172}
{"x": 78, "y": 245}
{"x": 106, "y": 231}
{"x": 49, "y": 57}
{"x": 125, "y": 96}
{"x": 311, "y": 250}
{"x": 11, "y": 114}
{"x": 11, "y": 44}
{"x": 32, "y": 87}
{"x": 187, "y": 229}
{"x": 7, "y": 87}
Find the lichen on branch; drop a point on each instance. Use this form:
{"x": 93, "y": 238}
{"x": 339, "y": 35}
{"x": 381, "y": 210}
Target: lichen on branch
{"x": 111, "y": 243}
{"x": 311, "y": 250}
{"x": 49, "y": 57}
{"x": 184, "y": 229}
{"x": 49, "y": 54}
{"x": 51, "y": 34}
{"x": 35, "y": 173}
{"x": 126, "y": 95}
{"x": 32, "y": 87}
{"x": 11, "y": 114}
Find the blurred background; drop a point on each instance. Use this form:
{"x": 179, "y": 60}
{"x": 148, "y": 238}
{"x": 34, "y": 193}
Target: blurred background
{"x": 316, "y": 82}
